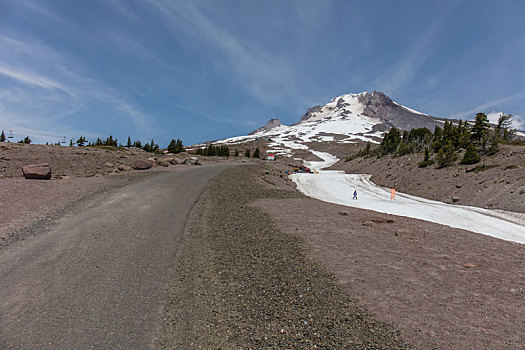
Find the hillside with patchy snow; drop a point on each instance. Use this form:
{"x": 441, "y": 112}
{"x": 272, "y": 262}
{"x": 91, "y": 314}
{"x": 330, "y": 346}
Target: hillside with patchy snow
{"x": 349, "y": 118}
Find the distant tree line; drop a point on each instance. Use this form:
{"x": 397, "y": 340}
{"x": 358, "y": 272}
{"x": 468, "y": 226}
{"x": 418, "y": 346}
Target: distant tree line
{"x": 173, "y": 147}
{"x": 211, "y": 150}
{"x": 477, "y": 138}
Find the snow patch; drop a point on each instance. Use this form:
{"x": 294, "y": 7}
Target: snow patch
{"x": 338, "y": 187}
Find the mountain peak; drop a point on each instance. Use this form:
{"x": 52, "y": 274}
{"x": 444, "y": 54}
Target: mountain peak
{"x": 271, "y": 124}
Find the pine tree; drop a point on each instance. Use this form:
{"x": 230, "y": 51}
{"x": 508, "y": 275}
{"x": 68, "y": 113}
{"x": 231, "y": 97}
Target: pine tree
{"x": 471, "y": 155}
{"x": 2, "y": 136}
{"x": 71, "y": 143}
{"x": 391, "y": 141}
{"x": 256, "y": 153}
{"x": 502, "y": 129}
{"x": 437, "y": 139}
{"x": 480, "y": 128}
{"x": 81, "y": 140}
{"x": 175, "y": 146}
{"x": 426, "y": 161}
{"x": 128, "y": 145}
{"x": 247, "y": 153}
{"x": 236, "y": 153}
{"x": 446, "y": 155}
{"x": 494, "y": 147}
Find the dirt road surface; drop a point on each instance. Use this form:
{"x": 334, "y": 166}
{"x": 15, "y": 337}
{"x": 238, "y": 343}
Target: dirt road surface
{"x": 97, "y": 279}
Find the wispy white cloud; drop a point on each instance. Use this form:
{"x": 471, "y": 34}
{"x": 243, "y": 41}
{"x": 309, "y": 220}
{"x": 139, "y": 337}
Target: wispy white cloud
{"x": 266, "y": 76}
{"x": 404, "y": 71}
{"x": 48, "y": 103}
{"x": 491, "y": 105}
{"x": 34, "y": 79}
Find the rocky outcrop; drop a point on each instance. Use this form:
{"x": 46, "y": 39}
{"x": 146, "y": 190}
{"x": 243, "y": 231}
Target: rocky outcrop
{"x": 380, "y": 106}
{"x": 310, "y": 112}
{"x": 272, "y": 123}
{"x": 142, "y": 164}
{"x": 37, "y": 171}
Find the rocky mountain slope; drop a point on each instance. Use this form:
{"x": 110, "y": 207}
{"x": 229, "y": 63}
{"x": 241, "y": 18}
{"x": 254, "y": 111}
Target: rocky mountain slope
{"x": 346, "y": 119}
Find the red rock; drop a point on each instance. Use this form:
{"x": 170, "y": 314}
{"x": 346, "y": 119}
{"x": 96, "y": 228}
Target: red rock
{"x": 37, "y": 171}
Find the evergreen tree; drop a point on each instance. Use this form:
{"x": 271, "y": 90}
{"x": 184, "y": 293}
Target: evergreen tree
{"x": 175, "y": 146}
{"x": 426, "y": 161}
{"x": 256, "y": 153}
{"x": 391, "y": 141}
{"x": 128, "y": 145}
{"x": 502, "y": 129}
{"x": 26, "y": 140}
{"x": 109, "y": 142}
{"x": 2, "y": 136}
{"x": 480, "y": 128}
{"x": 446, "y": 156}
{"x": 437, "y": 139}
{"x": 172, "y": 146}
{"x": 71, "y": 143}
{"x": 236, "y": 153}
{"x": 81, "y": 140}
{"x": 247, "y": 153}
{"x": 494, "y": 147}
{"x": 471, "y": 155}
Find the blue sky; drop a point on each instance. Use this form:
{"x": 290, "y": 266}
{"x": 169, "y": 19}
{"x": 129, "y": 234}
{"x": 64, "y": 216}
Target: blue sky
{"x": 204, "y": 70}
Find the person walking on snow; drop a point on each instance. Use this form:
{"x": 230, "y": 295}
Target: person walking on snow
{"x": 355, "y": 194}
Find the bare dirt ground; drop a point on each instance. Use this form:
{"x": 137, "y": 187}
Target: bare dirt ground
{"x": 78, "y": 172}
{"x": 443, "y": 288}
{"x": 499, "y": 186}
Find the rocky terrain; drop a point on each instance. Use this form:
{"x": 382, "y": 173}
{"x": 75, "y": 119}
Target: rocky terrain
{"x": 262, "y": 266}
{"x": 240, "y": 283}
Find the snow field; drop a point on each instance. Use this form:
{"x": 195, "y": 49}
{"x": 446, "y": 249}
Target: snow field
{"x": 338, "y": 187}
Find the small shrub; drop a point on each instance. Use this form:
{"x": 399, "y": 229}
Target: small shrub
{"x": 426, "y": 163}
{"x": 481, "y": 167}
{"x": 471, "y": 155}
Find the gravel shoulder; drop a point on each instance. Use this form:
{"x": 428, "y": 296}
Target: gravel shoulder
{"x": 443, "y": 288}
{"x": 240, "y": 283}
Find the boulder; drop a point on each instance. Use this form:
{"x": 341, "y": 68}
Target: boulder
{"x": 142, "y": 164}
{"x": 163, "y": 163}
{"x": 172, "y": 161}
{"x": 123, "y": 167}
{"x": 194, "y": 161}
{"x": 343, "y": 212}
{"x": 37, "y": 171}
{"x": 455, "y": 199}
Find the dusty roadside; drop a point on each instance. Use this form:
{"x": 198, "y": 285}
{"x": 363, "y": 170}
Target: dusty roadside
{"x": 26, "y": 206}
{"x": 241, "y": 283}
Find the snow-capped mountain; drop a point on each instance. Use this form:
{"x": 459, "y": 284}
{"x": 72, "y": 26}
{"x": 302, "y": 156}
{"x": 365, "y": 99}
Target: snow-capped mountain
{"x": 347, "y": 118}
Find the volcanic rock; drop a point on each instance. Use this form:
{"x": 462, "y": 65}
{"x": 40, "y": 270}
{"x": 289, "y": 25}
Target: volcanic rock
{"x": 37, "y": 171}
{"x": 142, "y": 164}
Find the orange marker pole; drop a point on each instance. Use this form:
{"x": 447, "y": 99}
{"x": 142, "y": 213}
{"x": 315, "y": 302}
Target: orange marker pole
{"x": 393, "y": 194}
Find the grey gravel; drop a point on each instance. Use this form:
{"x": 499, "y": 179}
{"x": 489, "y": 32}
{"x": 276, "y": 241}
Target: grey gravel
{"x": 239, "y": 283}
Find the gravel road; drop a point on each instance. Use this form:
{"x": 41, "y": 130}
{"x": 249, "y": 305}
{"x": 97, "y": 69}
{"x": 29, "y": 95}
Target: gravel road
{"x": 239, "y": 283}
{"x": 97, "y": 278}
